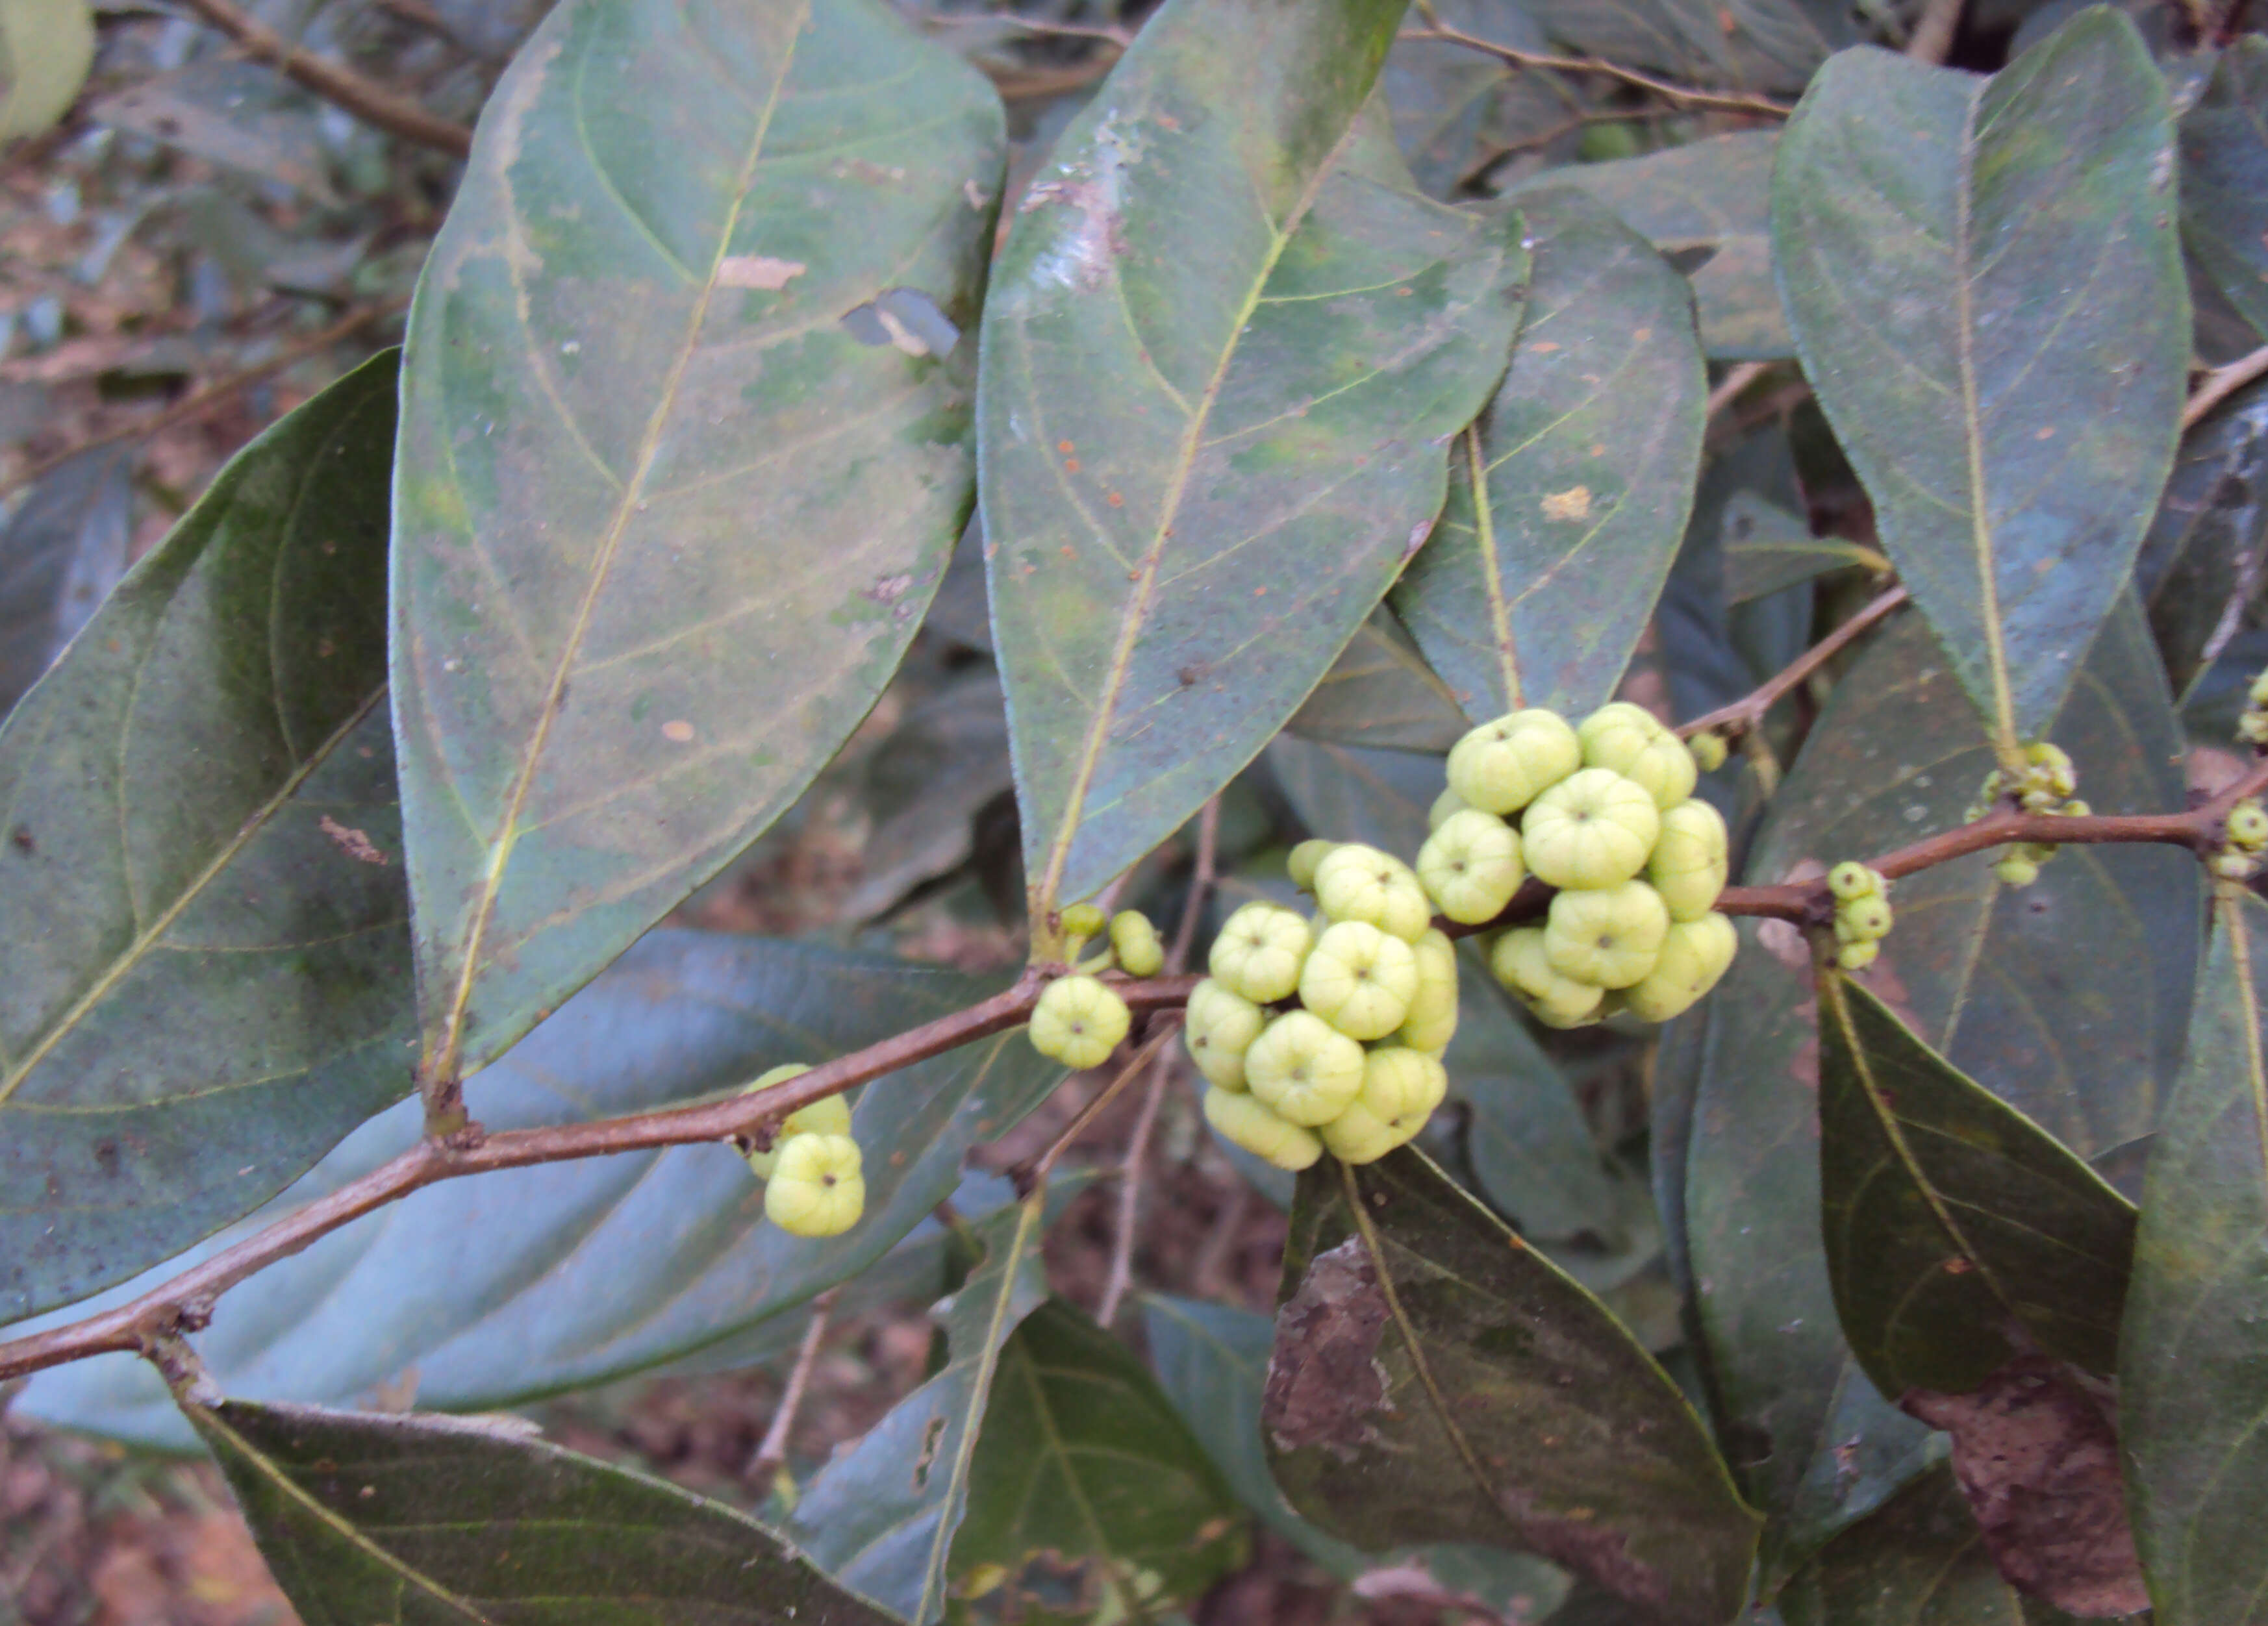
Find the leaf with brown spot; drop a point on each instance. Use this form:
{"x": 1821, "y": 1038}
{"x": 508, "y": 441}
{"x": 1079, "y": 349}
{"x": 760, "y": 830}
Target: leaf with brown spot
{"x": 1436, "y": 1380}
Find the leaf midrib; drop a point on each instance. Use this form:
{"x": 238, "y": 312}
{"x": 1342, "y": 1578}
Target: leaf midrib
{"x": 446, "y": 1055}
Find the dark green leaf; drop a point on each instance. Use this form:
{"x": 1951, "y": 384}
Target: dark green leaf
{"x": 2225, "y": 178}
{"x": 1451, "y": 104}
{"x": 1226, "y": 346}
{"x": 880, "y": 1517}
{"x": 60, "y": 552}
{"x": 1772, "y": 44}
{"x": 2204, "y": 567}
{"x": 242, "y": 114}
{"x": 665, "y": 523}
{"x": 1711, "y": 198}
{"x": 430, "y": 1520}
{"x": 925, "y": 787}
{"x": 1346, "y": 793}
{"x": 1381, "y": 694}
{"x": 2194, "y": 1373}
{"x": 1435, "y": 1379}
{"x": 2067, "y": 999}
{"x": 1088, "y": 1497}
{"x": 1951, "y": 1220}
{"x": 1537, "y": 594}
{"x": 1986, "y": 292}
{"x": 593, "y": 1269}
{"x": 1213, "y": 1359}
{"x": 201, "y": 886}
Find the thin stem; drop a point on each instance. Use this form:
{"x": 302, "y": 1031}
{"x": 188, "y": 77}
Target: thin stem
{"x": 1729, "y": 101}
{"x": 2222, "y": 382}
{"x": 1031, "y": 1173}
{"x": 1120, "y": 37}
{"x": 368, "y": 101}
{"x": 1932, "y": 36}
{"x": 772, "y": 1454}
{"x": 1129, "y": 1190}
{"x": 1201, "y": 880}
{"x": 1745, "y": 712}
{"x": 1735, "y": 382}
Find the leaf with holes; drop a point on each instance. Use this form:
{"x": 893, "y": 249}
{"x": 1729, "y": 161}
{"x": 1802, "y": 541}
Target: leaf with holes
{"x": 596, "y": 1269}
{"x": 881, "y": 1516}
{"x": 1536, "y": 593}
{"x": 201, "y": 885}
{"x": 365, "y": 1518}
{"x": 2224, "y": 139}
{"x": 1227, "y": 345}
{"x": 2067, "y": 999}
{"x": 1987, "y": 290}
{"x": 1088, "y": 1497}
{"x": 1956, "y": 1227}
{"x": 2194, "y": 1376}
{"x": 1435, "y": 1379}
{"x": 667, "y": 515}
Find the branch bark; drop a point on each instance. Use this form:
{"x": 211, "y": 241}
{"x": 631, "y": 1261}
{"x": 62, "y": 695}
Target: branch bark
{"x": 370, "y": 102}
{"x": 1745, "y": 712}
{"x": 2222, "y": 382}
{"x": 1726, "y": 101}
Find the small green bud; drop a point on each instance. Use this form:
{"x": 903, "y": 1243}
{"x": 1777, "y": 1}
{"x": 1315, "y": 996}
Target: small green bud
{"x": 829, "y": 1115}
{"x": 1857, "y": 956}
{"x": 2252, "y": 728}
{"x": 1631, "y": 742}
{"x": 1868, "y": 919}
{"x": 818, "y": 1188}
{"x": 1303, "y": 1069}
{"x": 1259, "y": 952}
{"x": 1470, "y": 866}
{"x": 1250, "y": 1124}
{"x": 1218, "y": 1029}
{"x": 1079, "y": 1021}
{"x": 1082, "y": 921}
{"x": 1359, "y": 979}
{"x": 1135, "y": 941}
{"x": 1303, "y": 858}
{"x": 2248, "y": 825}
{"x": 1608, "y": 939}
{"x": 1850, "y": 881}
{"x": 1591, "y": 830}
{"x": 1361, "y": 883}
{"x": 1708, "y": 751}
{"x": 1501, "y": 766}
{"x": 1688, "y": 866}
{"x": 2016, "y": 870}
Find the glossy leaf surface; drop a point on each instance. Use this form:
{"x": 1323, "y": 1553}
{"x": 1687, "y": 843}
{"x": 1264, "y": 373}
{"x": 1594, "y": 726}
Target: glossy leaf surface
{"x": 1535, "y": 593}
{"x": 1450, "y": 1383}
{"x": 62, "y": 551}
{"x": 2224, "y": 141}
{"x": 201, "y": 883}
{"x": 2068, "y": 1000}
{"x": 1951, "y": 1220}
{"x": 2194, "y": 1376}
{"x": 597, "y": 1269}
{"x": 666, "y": 520}
{"x": 881, "y": 1516}
{"x": 1987, "y": 294}
{"x": 1087, "y": 1494}
{"x": 430, "y": 1519}
{"x": 1226, "y": 344}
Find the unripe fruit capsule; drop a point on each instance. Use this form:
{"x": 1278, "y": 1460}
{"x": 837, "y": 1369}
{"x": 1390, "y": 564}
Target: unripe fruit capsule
{"x": 1591, "y": 831}
{"x": 1432, "y": 1019}
{"x": 1259, "y": 952}
{"x": 1607, "y": 938}
{"x": 1501, "y": 766}
{"x": 1079, "y": 1021}
{"x": 1449, "y": 802}
{"x": 1359, "y": 979}
{"x": 1361, "y": 883}
{"x": 1082, "y": 921}
{"x": 1857, "y": 956}
{"x": 1135, "y": 941}
{"x": 1303, "y": 1069}
{"x": 2016, "y": 870}
{"x": 1470, "y": 866}
{"x": 1522, "y": 965}
{"x": 1868, "y": 919}
{"x": 818, "y": 1188}
{"x": 1850, "y": 881}
{"x": 1694, "y": 955}
{"x": 829, "y": 1115}
{"x": 1400, "y": 1089}
{"x": 1300, "y": 865}
{"x": 1708, "y": 751}
{"x": 1631, "y": 742}
{"x": 1688, "y": 866}
{"x": 1249, "y": 1123}
{"x": 1218, "y": 1028}
{"x": 2248, "y": 825}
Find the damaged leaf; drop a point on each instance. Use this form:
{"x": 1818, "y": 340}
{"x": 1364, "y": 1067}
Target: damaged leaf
{"x": 1435, "y": 1379}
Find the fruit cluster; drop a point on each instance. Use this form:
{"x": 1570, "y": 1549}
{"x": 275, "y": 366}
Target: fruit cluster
{"x": 1589, "y": 811}
{"x": 814, "y": 1185}
{"x": 2043, "y": 785}
{"x": 2252, "y": 725}
{"x": 2246, "y": 830}
{"x": 1862, "y": 913}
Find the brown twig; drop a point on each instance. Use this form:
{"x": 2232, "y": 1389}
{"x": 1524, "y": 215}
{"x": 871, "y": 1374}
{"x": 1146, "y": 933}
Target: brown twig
{"x": 2222, "y": 382}
{"x": 1120, "y": 37}
{"x": 198, "y": 402}
{"x": 186, "y": 1302}
{"x": 1745, "y": 712}
{"x": 1735, "y": 382}
{"x": 1932, "y": 36}
{"x": 1033, "y": 1172}
{"x": 1727, "y": 101}
{"x": 771, "y": 1453}
{"x": 370, "y": 102}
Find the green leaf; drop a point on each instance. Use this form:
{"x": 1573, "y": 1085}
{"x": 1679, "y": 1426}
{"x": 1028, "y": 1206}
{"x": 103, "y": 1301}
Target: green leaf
{"x": 201, "y": 886}
{"x": 1952, "y": 1220}
{"x": 1226, "y": 346}
{"x": 45, "y": 47}
{"x": 1537, "y": 594}
{"x": 1772, "y": 44}
{"x": 1088, "y": 1497}
{"x": 62, "y": 551}
{"x": 1453, "y": 105}
{"x": 2067, "y": 999}
{"x": 2203, "y": 572}
{"x": 1435, "y": 1379}
{"x": 925, "y": 787}
{"x": 665, "y": 524}
{"x": 407, "y": 1519}
{"x": 1347, "y": 793}
{"x": 881, "y": 1516}
{"x": 1213, "y": 1359}
{"x": 2194, "y": 1376}
{"x": 591, "y": 1271}
{"x": 1987, "y": 293}
{"x": 2224, "y": 140}
{"x": 1379, "y": 694}
{"x": 1711, "y": 198}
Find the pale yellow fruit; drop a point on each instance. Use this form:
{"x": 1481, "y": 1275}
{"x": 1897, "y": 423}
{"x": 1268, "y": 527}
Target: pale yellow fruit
{"x": 1079, "y": 1021}
{"x": 1358, "y": 882}
{"x": 1523, "y": 964}
{"x": 1449, "y": 802}
{"x": 1694, "y": 955}
{"x": 1250, "y": 1124}
{"x": 1260, "y": 951}
{"x": 817, "y": 1188}
{"x": 1589, "y": 831}
{"x": 1607, "y": 938}
{"x": 1432, "y": 1019}
{"x": 1303, "y": 1068}
{"x": 829, "y": 1115}
{"x": 1687, "y": 863}
{"x": 1359, "y": 979}
{"x": 1470, "y": 866}
{"x": 1501, "y": 766}
{"x": 1300, "y": 865}
{"x": 1401, "y": 1088}
{"x": 1631, "y": 742}
{"x": 1135, "y": 941}
{"x": 1218, "y": 1028}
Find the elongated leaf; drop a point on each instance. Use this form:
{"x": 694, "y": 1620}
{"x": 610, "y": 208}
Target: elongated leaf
{"x": 62, "y": 551}
{"x": 1451, "y": 104}
{"x": 881, "y": 1516}
{"x": 201, "y": 887}
{"x": 2194, "y": 1373}
{"x": 1349, "y": 793}
{"x": 1444, "y": 1381}
{"x": 1708, "y": 198}
{"x": 365, "y": 1518}
{"x": 1772, "y": 44}
{"x": 667, "y": 517}
{"x": 1224, "y": 348}
{"x": 1952, "y": 1220}
{"x": 1087, "y": 1494}
{"x": 2225, "y": 178}
{"x": 925, "y": 786}
{"x": 593, "y": 1269}
{"x": 2068, "y": 1000}
{"x": 1380, "y": 695}
{"x": 1536, "y": 593}
{"x": 2204, "y": 568}
{"x": 1213, "y": 1359}
{"x": 1985, "y": 288}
